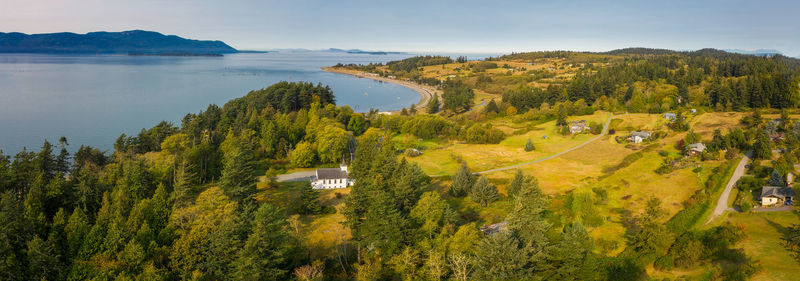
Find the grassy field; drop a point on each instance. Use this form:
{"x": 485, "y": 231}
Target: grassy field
{"x": 444, "y": 159}
{"x": 321, "y": 233}
{"x": 764, "y": 243}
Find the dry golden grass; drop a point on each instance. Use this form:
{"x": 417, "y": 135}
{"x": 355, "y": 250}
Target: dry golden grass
{"x": 322, "y": 233}
{"x": 640, "y": 121}
{"x": 481, "y": 157}
{"x": 705, "y": 124}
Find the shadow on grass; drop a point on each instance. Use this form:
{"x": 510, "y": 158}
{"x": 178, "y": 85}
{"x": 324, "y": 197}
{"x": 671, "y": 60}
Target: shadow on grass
{"x": 627, "y": 220}
{"x": 790, "y": 236}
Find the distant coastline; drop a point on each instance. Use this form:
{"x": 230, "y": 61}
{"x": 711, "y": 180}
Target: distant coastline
{"x": 174, "y": 55}
{"x": 426, "y": 92}
{"x": 133, "y": 42}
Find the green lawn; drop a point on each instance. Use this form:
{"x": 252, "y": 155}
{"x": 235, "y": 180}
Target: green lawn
{"x": 764, "y": 243}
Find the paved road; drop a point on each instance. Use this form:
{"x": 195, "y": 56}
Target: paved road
{"x": 298, "y": 176}
{"x": 605, "y": 131}
{"x": 722, "y": 202}
{"x": 774, "y": 209}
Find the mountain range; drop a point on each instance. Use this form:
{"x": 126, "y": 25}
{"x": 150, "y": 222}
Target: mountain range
{"x": 133, "y": 42}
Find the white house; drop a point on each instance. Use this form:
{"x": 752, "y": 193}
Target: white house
{"x": 771, "y": 195}
{"x": 697, "y": 148}
{"x": 330, "y": 178}
{"x": 639, "y": 136}
{"x": 577, "y": 126}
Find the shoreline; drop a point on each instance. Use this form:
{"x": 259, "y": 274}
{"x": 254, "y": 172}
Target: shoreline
{"x": 426, "y": 92}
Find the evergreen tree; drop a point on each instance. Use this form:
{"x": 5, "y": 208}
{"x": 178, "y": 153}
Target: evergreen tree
{"x": 491, "y": 107}
{"x": 737, "y": 139}
{"x": 499, "y": 257}
{"x": 43, "y": 262}
{"x": 776, "y": 179}
{"x": 45, "y": 163}
{"x": 718, "y": 142}
{"x": 264, "y": 254}
{"x": 76, "y": 230}
{"x": 412, "y": 109}
{"x": 529, "y": 146}
{"x": 483, "y": 192}
{"x": 562, "y": 115}
{"x": 307, "y": 203}
{"x": 762, "y": 147}
{"x": 15, "y": 232}
{"x": 756, "y": 117}
{"x": 652, "y": 238}
{"x": 384, "y": 226}
{"x": 184, "y": 181}
{"x": 457, "y": 95}
{"x": 462, "y": 181}
{"x": 517, "y": 183}
{"x": 62, "y": 160}
{"x": 433, "y": 105}
{"x": 6, "y": 174}
{"x": 691, "y": 138}
{"x": 526, "y": 217}
{"x": 572, "y": 258}
{"x": 432, "y": 213}
{"x": 238, "y": 179}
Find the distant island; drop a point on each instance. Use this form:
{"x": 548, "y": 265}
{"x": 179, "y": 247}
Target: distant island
{"x": 133, "y": 42}
{"x": 357, "y": 51}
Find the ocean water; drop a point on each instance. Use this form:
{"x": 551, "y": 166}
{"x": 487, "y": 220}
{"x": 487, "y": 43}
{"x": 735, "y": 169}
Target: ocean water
{"x": 92, "y": 99}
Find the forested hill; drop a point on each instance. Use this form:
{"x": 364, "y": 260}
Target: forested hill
{"x": 127, "y": 42}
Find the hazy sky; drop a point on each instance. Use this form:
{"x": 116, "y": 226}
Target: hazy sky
{"x": 439, "y": 26}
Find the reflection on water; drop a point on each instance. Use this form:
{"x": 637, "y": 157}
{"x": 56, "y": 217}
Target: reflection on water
{"x": 93, "y": 99}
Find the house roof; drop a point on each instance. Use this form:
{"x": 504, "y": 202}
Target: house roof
{"x": 697, "y": 146}
{"x": 492, "y": 228}
{"x": 777, "y": 192}
{"x": 331, "y": 173}
{"x": 641, "y": 134}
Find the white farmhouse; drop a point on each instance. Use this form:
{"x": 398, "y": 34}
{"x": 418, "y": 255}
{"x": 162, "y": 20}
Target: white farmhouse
{"x": 331, "y": 178}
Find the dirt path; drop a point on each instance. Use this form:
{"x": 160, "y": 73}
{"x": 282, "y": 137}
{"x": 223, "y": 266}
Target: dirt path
{"x": 722, "y": 202}
{"x": 603, "y": 133}
{"x": 426, "y": 92}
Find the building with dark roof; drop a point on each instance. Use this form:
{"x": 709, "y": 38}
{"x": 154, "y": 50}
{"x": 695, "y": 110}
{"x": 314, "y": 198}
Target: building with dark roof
{"x": 330, "y": 178}
{"x": 771, "y": 195}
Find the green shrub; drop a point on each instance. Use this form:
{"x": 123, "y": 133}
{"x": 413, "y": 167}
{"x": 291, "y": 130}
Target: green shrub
{"x": 529, "y": 146}
{"x": 745, "y": 204}
{"x": 664, "y": 263}
{"x": 627, "y": 161}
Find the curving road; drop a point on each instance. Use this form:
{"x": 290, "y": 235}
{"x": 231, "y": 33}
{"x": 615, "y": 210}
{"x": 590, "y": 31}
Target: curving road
{"x": 722, "y": 202}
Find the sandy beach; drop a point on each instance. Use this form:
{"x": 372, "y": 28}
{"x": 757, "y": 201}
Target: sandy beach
{"x": 426, "y": 92}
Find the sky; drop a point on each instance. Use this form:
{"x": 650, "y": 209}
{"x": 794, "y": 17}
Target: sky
{"x": 495, "y": 26}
